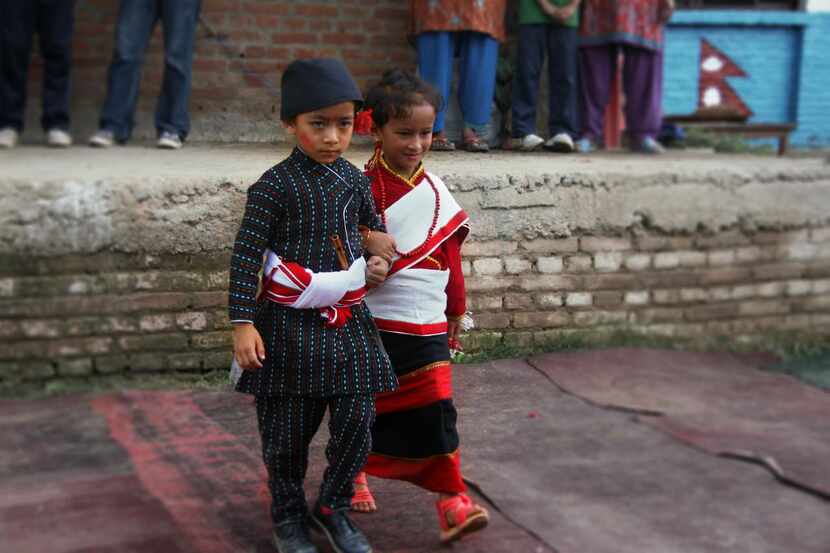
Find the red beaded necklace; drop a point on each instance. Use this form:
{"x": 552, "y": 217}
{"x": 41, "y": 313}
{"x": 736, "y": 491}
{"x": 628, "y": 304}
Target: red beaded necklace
{"x": 416, "y": 251}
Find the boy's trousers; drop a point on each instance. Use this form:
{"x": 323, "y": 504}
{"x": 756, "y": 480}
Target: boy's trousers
{"x": 559, "y": 44}
{"x": 286, "y": 426}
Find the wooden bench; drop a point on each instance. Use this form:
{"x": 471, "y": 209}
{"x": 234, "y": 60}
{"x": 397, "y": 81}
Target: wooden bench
{"x": 781, "y": 131}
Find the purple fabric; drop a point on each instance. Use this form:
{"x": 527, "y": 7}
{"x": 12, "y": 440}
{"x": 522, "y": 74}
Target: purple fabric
{"x": 642, "y": 86}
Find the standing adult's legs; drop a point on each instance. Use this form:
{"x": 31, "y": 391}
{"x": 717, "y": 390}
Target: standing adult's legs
{"x": 17, "y": 25}
{"x": 479, "y": 55}
{"x": 435, "y": 57}
{"x": 136, "y": 19}
{"x": 350, "y": 440}
{"x": 178, "y": 19}
{"x": 530, "y": 55}
{"x": 286, "y": 426}
{"x": 55, "y": 22}
{"x": 562, "y": 68}
{"x": 597, "y": 65}
{"x": 643, "y": 85}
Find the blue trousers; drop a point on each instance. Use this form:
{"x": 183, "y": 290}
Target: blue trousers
{"x": 560, "y": 46}
{"x": 478, "y": 55}
{"x": 136, "y": 19}
{"x": 53, "y": 22}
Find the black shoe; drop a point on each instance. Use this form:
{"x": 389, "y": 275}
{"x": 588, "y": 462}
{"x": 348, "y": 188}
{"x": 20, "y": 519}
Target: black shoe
{"x": 291, "y": 536}
{"x": 340, "y": 531}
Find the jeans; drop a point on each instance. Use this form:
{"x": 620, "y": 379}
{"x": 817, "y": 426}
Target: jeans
{"x": 479, "y": 54}
{"x": 53, "y": 20}
{"x": 136, "y": 19}
{"x": 560, "y": 45}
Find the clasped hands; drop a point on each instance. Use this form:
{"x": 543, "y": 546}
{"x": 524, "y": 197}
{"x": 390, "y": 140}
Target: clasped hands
{"x": 381, "y": 246}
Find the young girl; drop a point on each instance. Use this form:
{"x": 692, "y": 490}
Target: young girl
{"x": 419, "y": 308}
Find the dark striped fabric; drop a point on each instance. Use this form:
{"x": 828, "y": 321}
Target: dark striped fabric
{"x": 286, "y": 426}
{"x": 294, "y": 209}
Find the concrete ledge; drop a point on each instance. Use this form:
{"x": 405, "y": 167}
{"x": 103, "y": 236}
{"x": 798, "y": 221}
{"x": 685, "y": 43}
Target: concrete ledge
{"x": 140, "y": 199}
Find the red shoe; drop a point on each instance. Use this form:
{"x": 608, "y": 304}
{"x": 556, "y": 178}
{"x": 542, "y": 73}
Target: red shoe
{"x": 459, "y": 516}
{"x": 362, "y": 501}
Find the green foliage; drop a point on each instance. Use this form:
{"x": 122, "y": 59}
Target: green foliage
{"x": 803, "y": 356}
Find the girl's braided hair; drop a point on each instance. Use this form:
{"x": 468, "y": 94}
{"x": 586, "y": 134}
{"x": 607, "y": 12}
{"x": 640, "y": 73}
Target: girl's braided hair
{"x": 397, "y": 93}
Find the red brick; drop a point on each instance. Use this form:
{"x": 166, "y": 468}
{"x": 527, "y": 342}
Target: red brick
{"x": 492, "y": 320}
{"x": 778, "y": 271}
{"x": 713, "y": 311}
{"x": 293, "y": 38}
{"x": 316, "y": 10}
{"x": 541, "y": 319}
{"x": 609, "y": 282}
{"x": 720, "y": 276}
{"x": 268, "y": 7}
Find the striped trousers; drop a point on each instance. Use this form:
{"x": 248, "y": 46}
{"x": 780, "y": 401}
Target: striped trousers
{"x": 286, "y": 426}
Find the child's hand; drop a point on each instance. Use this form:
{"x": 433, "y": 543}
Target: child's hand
{"x": 565, "y": 12}
{"x": 248, "y": 348}
{"x": 380, "y": 243}
{"x": 453, "y": 330}
{"x": 549, "y": 9}
{"x": 376, "y": 269}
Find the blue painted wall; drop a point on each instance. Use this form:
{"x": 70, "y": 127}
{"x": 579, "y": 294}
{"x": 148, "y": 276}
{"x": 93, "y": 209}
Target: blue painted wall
{"x": 814, "y": 91}
{"x": 786, "y": 56}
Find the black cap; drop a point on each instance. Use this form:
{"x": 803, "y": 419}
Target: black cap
{"x": 312, "y": 84}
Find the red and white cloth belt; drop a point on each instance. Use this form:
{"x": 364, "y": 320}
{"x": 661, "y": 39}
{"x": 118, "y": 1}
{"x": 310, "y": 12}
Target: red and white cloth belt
{"x": 333, "y": 293}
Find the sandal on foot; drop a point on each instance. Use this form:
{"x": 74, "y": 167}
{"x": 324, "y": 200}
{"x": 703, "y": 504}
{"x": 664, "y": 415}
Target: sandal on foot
{"x": 362, "y": 495}
{"x": 474, "y": 143}
{"x": 459, "y": 516}
{"x": 440, "y": 143}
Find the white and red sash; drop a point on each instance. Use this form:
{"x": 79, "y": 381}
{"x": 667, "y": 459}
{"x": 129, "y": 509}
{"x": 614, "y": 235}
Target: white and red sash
{"x": 290, "y": 284}
{"x": 408, "y": 220}
{"x": 413, "y": 301}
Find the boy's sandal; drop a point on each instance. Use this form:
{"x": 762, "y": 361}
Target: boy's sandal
{"x": 476, "y": 144}
{"x": 362, "y": 495}
{"x": 442, "y": 144}
{"x": 459, "y": 516}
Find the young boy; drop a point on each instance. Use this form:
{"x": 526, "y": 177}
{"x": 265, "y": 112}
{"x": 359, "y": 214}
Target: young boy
{"x": 546, "y": 27}
{"x": 311, "y": 343}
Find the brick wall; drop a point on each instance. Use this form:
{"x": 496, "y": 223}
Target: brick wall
{"x": 116, "y": 313}
{"x": 727, "y": 284}
{"x": 242, "y": 46}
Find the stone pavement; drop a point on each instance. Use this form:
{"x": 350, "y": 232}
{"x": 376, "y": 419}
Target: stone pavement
{"x": 574, "y": 453}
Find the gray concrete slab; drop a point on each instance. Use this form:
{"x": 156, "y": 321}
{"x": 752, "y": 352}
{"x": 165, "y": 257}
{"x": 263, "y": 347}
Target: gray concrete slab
{"x": 590, "y": 479}
{"x": 179, "y": 471}
{"x": 140, "y": 199}
{"x": 720, "y": 402}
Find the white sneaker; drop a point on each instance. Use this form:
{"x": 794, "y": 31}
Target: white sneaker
{"x": 529, "y": 142}
{"x": 169, "y": 141}
{"x": 561, "y": 142}
{"x": 649, "y": 146}
{"x": 58, "y": 138}
{"x": 102, "y": 139}
{"x": 8, "y": 137}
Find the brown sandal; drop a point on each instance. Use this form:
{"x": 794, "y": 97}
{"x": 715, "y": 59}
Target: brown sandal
{"x": 474, "y": 143}
{"x": 440, "y": 143}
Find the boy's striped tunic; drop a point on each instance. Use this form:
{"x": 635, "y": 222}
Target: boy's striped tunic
{"x": 293, "y": 210}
